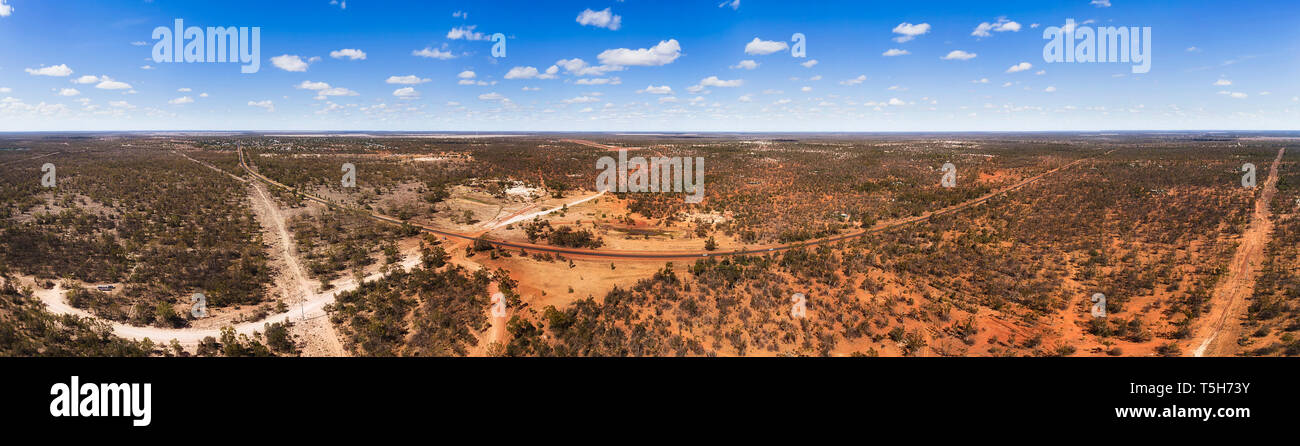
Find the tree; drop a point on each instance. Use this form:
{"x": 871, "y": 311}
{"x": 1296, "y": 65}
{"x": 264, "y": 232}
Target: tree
{"x": 433, "y": 258}
{"x": 166, "y": 315}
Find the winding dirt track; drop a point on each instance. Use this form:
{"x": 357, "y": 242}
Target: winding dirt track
{"x": 1217, "y": 336}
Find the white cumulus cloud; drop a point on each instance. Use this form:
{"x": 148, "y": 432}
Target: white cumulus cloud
{"x": 908, "y": 31}
{"x": 959, "y": 55}
{"x": 663, "y": 89}
{"x": 348, "y": 53}
{"x": 309, "y": 85}
{"x": 409, "y": 79}
{"x": 289, "y": 62}
{"x": 713, "y": 81}
{"x": 763, "y": 47}
{"x": 1019, "y": 67}
{"x": 663, "y": 53}
{"x": 466, "y": 32}
{"x": 60, "y": 70}
{"x": 324, "y": 90}
{"x": 433, "y": 53}
{"x": 105, "y": 83}
{"x": 600, "y": 19}
{"x": 530, "y": 73}
{"x": 1001, "y": 25}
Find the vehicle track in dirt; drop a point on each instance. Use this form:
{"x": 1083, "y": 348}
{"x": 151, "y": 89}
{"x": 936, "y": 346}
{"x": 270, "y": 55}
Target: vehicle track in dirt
{"x": 1218, "y": 334}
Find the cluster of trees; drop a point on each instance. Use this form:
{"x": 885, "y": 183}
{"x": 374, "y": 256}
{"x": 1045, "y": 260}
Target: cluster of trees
{"x": 566, "y": 236}
{"x": 315, "y": 167}
{"x": 164, "y": 225}
{"x": 336, "y": 241}
{"x": 428, "y": 311}
{"x": 27, "y": 329}
{"x": 795, "y": 190}
{"x": 732, "y": 306}
{"x": 275, "y": 342}
{"x": 1124, "y": 231}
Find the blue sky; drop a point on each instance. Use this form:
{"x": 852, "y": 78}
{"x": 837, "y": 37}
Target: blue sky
{"x": 86, "y": 65}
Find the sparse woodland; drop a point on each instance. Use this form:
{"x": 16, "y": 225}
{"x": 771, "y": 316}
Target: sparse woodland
{"x": 162, "y": 225}
{"x": 1148, "y": 222}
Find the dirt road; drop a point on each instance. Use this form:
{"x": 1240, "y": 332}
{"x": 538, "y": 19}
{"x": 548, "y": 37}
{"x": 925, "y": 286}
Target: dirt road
{"x": 311, "y": 307}
{"x": 519, "y": 218}
{"x": 1222, "y": 325}
{"x": 285, "y": 243}
{"x": 318, "y": 336}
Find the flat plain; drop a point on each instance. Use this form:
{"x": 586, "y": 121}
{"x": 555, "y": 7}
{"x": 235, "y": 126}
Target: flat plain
{"x": 1047, "y": 244}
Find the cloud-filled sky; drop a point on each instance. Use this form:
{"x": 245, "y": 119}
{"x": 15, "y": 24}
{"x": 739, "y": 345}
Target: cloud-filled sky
{"x": 643, "y": 65}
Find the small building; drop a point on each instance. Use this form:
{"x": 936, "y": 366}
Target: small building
{"x": 104, "y": 287}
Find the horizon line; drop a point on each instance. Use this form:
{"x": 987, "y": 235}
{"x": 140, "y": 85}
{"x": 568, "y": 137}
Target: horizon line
{"x": 650, "y": 132}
